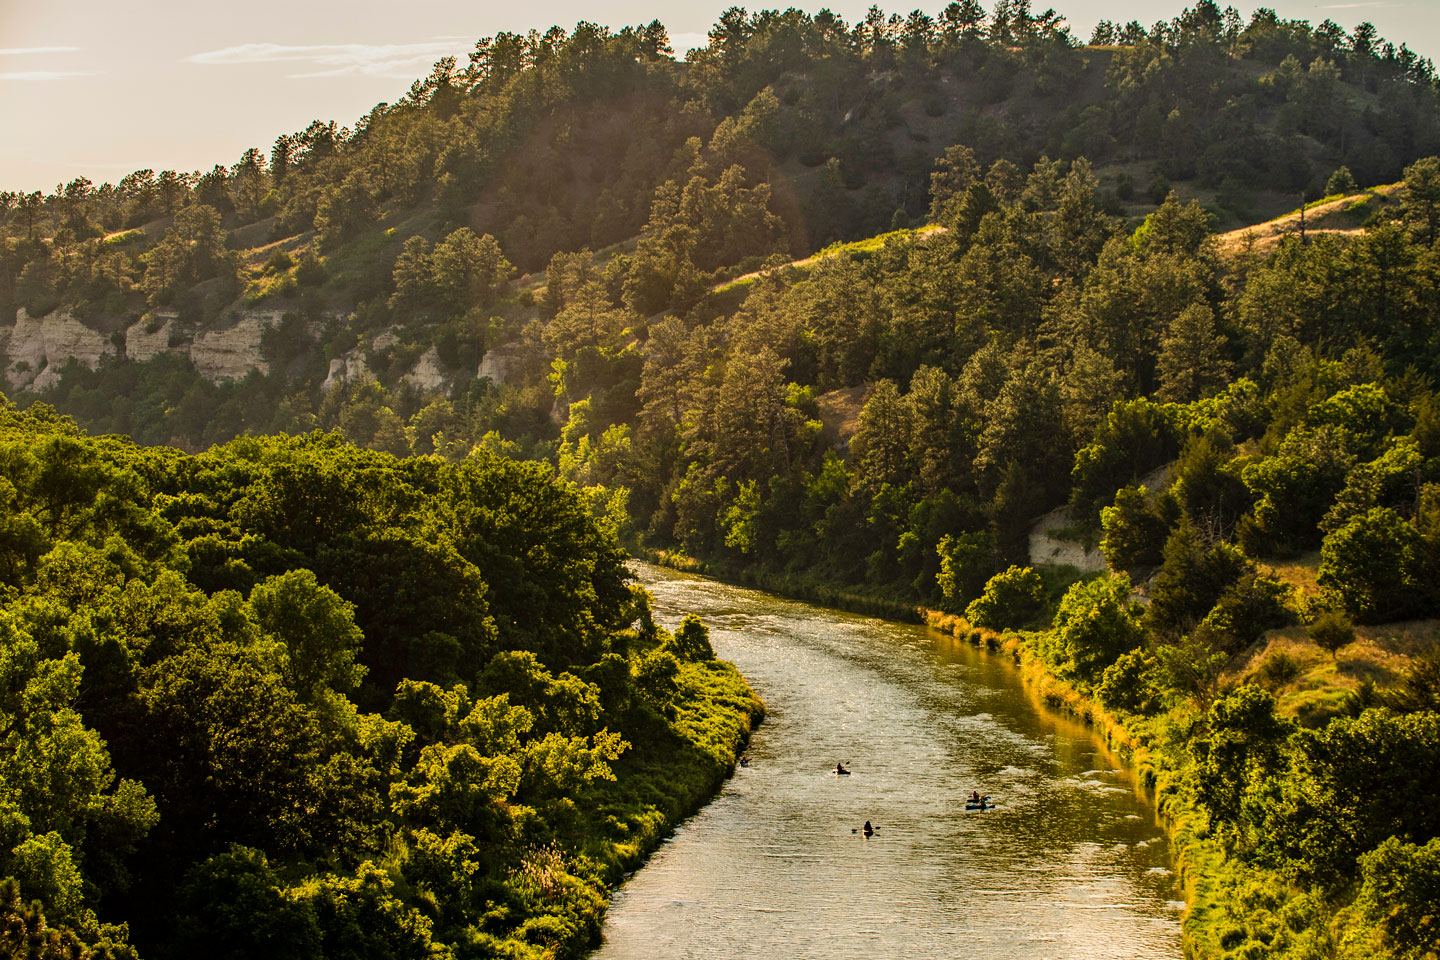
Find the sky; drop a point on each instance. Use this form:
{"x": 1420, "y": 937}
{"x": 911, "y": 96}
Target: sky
{"x": 97, "y": 89}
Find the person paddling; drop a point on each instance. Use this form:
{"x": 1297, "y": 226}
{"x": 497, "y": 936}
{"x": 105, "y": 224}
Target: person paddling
{"x": 869, "y": 831}
{"x": 840, "y": 770}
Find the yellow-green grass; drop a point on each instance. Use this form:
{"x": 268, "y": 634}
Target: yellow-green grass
{"x": 1300, "y": 572}
{"x": 856, "y": 247}
{"x": 1317, "y": 685}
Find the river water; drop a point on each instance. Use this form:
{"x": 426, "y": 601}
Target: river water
{"x": 1071, "y": 863}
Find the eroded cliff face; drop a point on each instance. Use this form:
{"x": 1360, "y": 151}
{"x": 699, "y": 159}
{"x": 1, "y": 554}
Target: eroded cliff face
{"x": 428, "y": 375}
{"x": 36, "y": 349}
{"x": 346, "y": 369}
{"x": 231, "y": 353}
{"x": 1049, "y": 549}
{"x": 150, "y": 336}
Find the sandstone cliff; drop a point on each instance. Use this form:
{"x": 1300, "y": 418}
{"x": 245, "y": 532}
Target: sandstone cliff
{"x": 36, "y": 349}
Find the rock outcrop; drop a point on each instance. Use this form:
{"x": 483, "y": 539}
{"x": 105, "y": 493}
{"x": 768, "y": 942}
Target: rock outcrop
{"x": 233, "y": 352}
{"x": 428, "y": 375}
{"x": 1049, "y": 550}
{"x": 36, "y": 349}
{"x": 149, "y": 337}
{"x": 498, "y": 363}
{"x": 347, "y": 369}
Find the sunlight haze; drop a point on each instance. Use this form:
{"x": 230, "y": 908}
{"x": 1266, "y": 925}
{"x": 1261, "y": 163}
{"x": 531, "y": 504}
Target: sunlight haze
{"x": 92, "y": 89}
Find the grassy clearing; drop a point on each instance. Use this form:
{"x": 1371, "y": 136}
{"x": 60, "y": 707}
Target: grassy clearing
{"x": 856, "y": 248}
{"x": 1311, "y": 685}
{"x": 1300, "y": 572}
{"x": 1340, "y": 214}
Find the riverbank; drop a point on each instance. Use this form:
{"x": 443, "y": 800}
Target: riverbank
{"x": 1197, "y": 855}
{"x": 680, "y": 765}
{"x": 1234, "y": 908}
{"x": 773, "y": 869}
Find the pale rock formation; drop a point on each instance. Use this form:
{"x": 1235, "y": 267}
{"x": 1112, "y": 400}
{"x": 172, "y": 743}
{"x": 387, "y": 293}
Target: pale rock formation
{"x": 347, "y": 369}
{"x": 1052, "y": 551}
{"x": 233, "y": 352}
{"x": 498, "y": 363}
{"x": 428, "y": 374}
{"x": 149, "y": 337}
{"x": 43, "y": 345}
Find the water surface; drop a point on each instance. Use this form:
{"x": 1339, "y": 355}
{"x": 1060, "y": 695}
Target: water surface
{"x": 1071, "y": 864}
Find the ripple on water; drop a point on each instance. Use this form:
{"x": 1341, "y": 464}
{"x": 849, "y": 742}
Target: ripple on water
{"x": 775, "y": 869}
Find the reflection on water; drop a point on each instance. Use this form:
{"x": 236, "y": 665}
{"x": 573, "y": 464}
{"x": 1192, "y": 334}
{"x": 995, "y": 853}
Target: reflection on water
{"x": 1071, "y": 864}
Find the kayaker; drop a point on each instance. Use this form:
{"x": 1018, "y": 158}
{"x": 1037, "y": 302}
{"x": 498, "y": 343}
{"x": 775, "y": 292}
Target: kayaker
{"x": 840, "y": 769}
{"x": 869, "y": 830}
{"x": 974, "y": 796}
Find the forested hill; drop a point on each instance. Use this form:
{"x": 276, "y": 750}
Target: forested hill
{"x": 388, "y": 250}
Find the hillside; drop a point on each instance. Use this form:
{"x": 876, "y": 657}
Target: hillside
{"x": 786, "y": 134}
{"x": 1344, "y": 216}
{"x": 846, "y": 310}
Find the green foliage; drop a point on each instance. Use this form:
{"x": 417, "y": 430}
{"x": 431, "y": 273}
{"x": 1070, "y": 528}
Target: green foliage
{"x": 1341, "y": 182}
{"x": 1355, "y": 783}
{"x": 692, "y": 641}
{"x": 164, "y": 732}
{"x": 1126, "y": 684}
{"x": 1134, "y": 530}
{"x": 1135, "y": 437}
{"x": 317, "y": 628}
{"x": 233, "y": 905}
{"x": 1096, "y": 623}
{"x": 1241, "y": 747}
{"x": 1011, "y": 599}
{"x": 1400, "y": 890}
{"x": 1192, "y": 578}
{"x": 1331, "y": 631}
{"x": 1372, "y": 567}
{"x": 966, "y": 561}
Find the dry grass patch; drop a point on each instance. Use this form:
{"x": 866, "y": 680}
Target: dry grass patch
{"x": 1311, "y": 685}
{"x": 1300, "y": 572}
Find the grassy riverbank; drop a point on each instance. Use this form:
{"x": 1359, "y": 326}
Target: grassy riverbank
{"x": 1234, "y": 909}
{"x": 1196, "y": 855}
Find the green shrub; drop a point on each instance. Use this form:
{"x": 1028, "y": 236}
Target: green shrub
{"x": 1012, "y": 598}
{"x": 1332, "y": 630}
{"x": 1400, "y": 890}
{"x": 1278, "y": 669}
{"x": 1126, "y": 685}
{"x": 1096, "y": 623}
{"x": 692, "y": 641}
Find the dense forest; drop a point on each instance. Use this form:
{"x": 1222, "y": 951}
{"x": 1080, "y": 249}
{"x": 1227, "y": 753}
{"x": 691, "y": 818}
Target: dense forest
{"x": 292, "y": 698}
{"x": 834, "y": 308}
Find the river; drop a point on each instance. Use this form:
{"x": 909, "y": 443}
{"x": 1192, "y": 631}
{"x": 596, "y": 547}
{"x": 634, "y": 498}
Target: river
{"x": 1072, "y": 862}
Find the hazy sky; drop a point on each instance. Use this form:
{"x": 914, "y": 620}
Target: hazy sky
{"x": 98, "y": 88}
